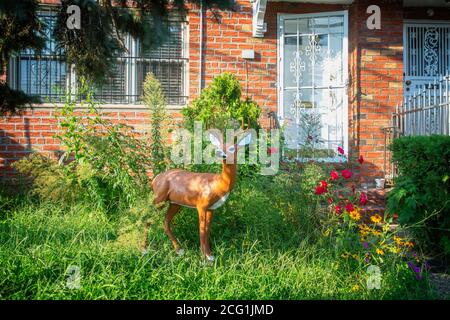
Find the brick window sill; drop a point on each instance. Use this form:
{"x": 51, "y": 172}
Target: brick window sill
{"x": 112, "y": 107}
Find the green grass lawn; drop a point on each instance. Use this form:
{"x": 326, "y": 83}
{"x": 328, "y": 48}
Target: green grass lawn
{"x": 265, "y": 240}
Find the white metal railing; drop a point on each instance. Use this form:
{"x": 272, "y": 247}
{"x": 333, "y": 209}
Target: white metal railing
{"x": 426, "y": 111}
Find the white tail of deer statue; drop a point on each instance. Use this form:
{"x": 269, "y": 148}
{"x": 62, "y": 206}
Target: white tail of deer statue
{"x": 203, "y": 191}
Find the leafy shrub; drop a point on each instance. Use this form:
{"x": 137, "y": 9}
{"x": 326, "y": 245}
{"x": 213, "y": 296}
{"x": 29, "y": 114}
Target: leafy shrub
{"x": 422, "y": 188}
{"x": 104, "y": 163}
{"x": 220, "y": 106}
{"x": 155, "y": 101}
{"x": 50, "y": 180}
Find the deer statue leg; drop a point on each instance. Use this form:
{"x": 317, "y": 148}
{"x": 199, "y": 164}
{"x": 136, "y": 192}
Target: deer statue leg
{"x": 201, "y": 225}
{"x": 204, "y": 219}
{"x": 171, "y": 212}
{"x": 209, "y": 216}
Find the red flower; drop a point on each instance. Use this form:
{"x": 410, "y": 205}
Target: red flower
{"x": 363, "y": 199}
{"x": 349, "y": 207}
{"x": 324, "y": 184}
{"x": 272, "y": 150}
{"x": 338, "y": 209}
{"x": 320, "y": 190}
{"x": 340, "y": 150}
{"x": 330, "y": 200}
{"x": 346, "y": 173}
{"x": 334, "y": 175}
{"x": 361, "y": 159}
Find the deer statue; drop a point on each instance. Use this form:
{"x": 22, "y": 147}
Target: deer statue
{"x": 203, "y": 191}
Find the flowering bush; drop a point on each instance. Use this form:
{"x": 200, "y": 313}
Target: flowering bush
{"x": 361, "y": 238}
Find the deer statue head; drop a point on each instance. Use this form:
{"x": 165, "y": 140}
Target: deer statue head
{"x": 228, "y": 151}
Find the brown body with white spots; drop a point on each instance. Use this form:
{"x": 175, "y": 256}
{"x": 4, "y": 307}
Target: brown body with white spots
{"x": 203, "y": 191}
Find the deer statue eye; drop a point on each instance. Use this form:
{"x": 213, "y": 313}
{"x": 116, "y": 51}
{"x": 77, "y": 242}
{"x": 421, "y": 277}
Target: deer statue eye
{"x": 231, "y": 149}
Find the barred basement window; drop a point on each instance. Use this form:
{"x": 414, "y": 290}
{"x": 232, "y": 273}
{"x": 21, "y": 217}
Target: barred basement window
{"x": 48, "y": 76}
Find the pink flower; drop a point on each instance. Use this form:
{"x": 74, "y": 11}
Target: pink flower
{"x": 363, "y": 199}
{"x": 334, "y": 175}
{"x": 361, "y": 159}
{"x": 272, "y": 150}
{"x": 346, "y": 174}
{"x": 340, "y": 150}
{"x": 349, "y": 207}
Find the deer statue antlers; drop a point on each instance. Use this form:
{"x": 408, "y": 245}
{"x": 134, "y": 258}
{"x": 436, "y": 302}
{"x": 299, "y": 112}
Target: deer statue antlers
{"x": 203, "y": 191}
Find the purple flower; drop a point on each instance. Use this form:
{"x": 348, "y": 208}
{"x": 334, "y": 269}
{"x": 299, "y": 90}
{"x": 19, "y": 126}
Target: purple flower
{"x": 367, "y": 259}
{"x": 365, "y": 245}
{"x": 416, "y": 270}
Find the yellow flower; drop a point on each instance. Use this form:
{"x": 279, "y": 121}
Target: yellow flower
{"x": 355, "y": 215}
{"x": 345, "y": 255}
{"x": 409, "y": 244}
{"x": 363, "y": 233}
{"x": 380, "y": 252}
{"x": 394, "y": 249}
{"x": 354, "y": 256}
{"x": 398, "y": 240}
{"x": 356, "y": 287}
{"x": 376, "y": 218}
{"x": 376, "y": 233}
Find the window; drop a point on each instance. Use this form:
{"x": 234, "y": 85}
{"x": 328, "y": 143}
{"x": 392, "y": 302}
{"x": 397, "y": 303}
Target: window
{"x": 313, "y": 84}
{"x": 48, "y": 76}
{"x": 44, "y": 75}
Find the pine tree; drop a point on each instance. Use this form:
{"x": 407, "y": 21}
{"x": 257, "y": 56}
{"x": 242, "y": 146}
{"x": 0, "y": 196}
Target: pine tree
{"x": 20, "y": 28}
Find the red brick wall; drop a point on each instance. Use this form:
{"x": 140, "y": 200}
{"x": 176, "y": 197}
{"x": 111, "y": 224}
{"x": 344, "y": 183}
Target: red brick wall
{"x": 376, "y": 81}
{"x": 34, "y": 132}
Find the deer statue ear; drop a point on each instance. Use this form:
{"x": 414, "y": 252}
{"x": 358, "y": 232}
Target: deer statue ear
{"x": 245, "y": 139}
{"x": 214, "y": 140}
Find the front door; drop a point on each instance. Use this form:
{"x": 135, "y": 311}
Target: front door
{"x": 426, "y": 54}
{"x": 313, "y": 54}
